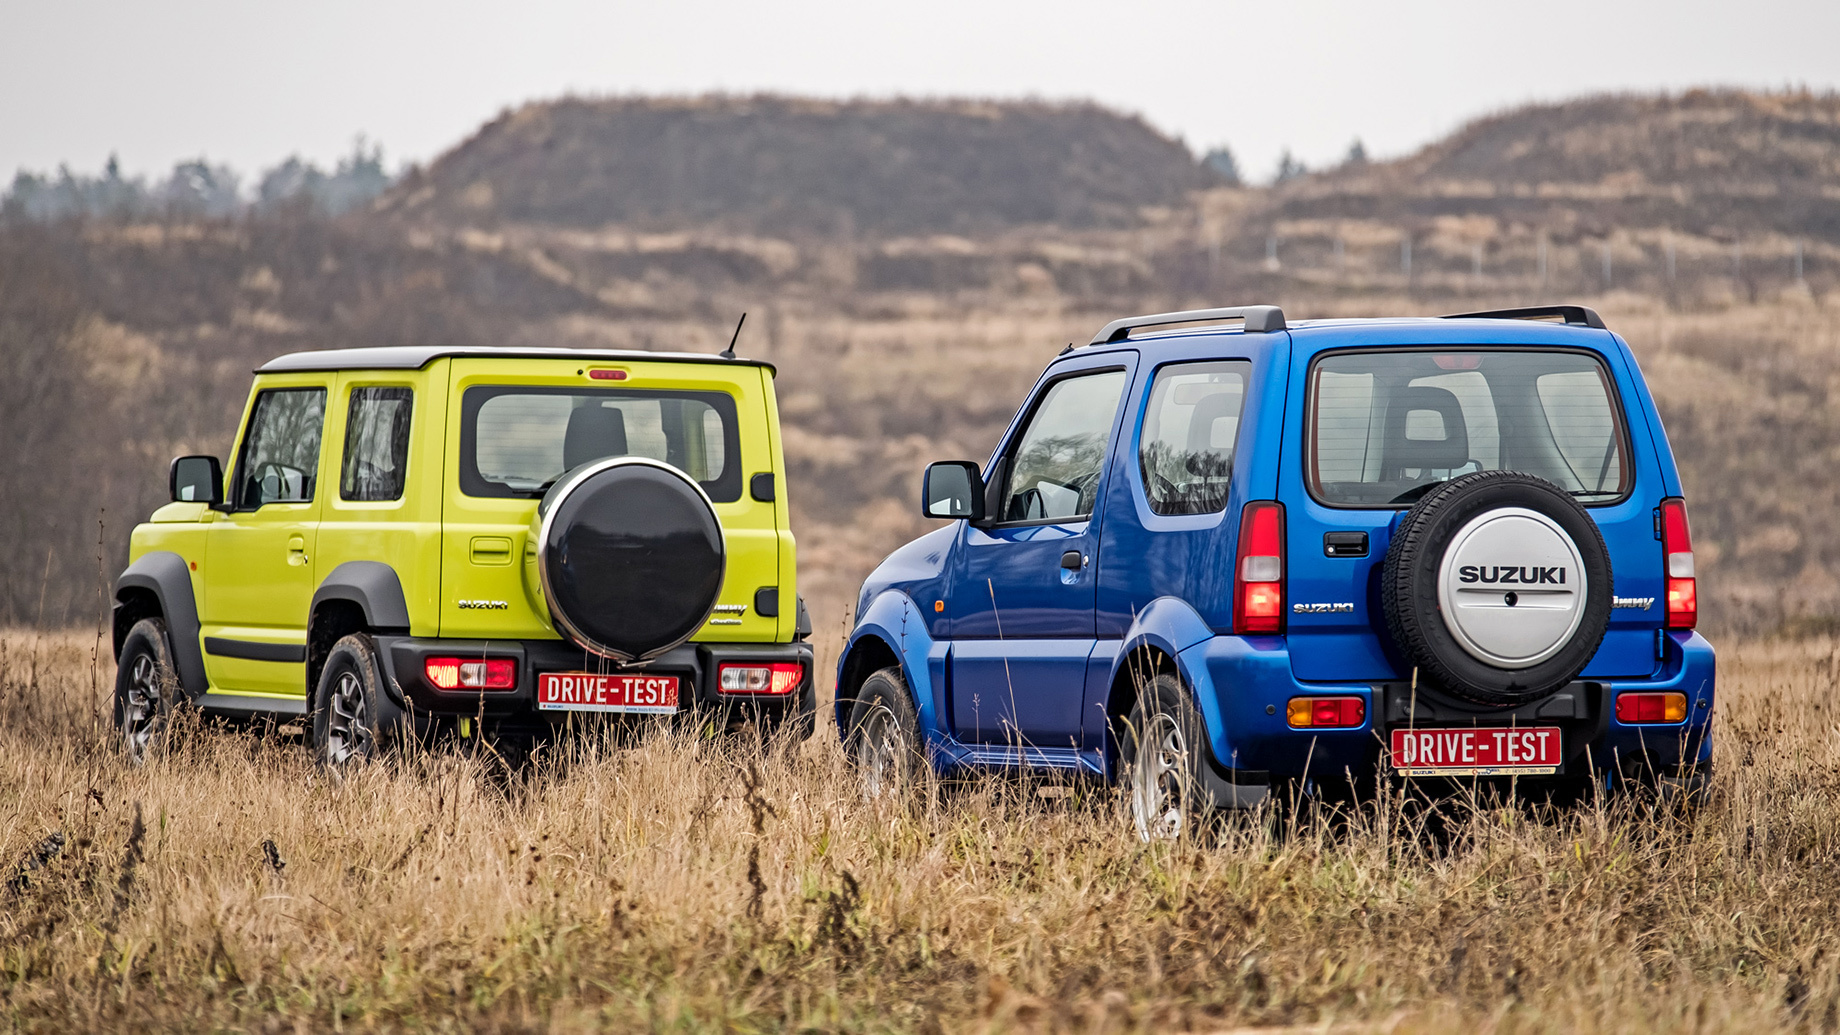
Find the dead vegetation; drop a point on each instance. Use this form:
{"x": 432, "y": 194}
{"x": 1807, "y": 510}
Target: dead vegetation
{"x": 690, "y": 884}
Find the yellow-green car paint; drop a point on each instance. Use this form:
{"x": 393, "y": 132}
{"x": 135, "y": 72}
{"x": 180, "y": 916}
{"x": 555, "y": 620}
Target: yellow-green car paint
{"x": 253, "y": 573}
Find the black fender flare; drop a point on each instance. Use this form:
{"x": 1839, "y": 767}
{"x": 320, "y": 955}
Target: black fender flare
{"x": 167, "y": 576}
{"x": 374, "y": 587}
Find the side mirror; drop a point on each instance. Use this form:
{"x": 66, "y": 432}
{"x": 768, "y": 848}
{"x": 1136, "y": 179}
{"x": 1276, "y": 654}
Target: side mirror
{"x": 197, "y": 479}
{"x": 952, "y": 489}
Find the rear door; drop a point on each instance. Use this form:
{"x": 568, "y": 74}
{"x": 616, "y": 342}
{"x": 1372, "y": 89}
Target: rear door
{"x": 515, "y": 426}
{"x": 1382, "y": 427}
{"x": 1021, "y": 603}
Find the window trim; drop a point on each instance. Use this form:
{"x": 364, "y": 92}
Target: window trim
{"x": 474, "y": 396}
{"x": 1002, "y": 467}
{"x": 345, "y": 444}
{"x": 242, "y": 447}
{"x": 1613, "y": 390}
{"x": 1143, "y": 418}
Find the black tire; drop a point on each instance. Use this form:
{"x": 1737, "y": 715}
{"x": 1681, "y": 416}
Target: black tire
{"x": 1161, "y": 754}
{"x": 1409, "y": 591}
{"x": 884, "y": 742}
{"x": 146, "y": 689}
{"x": 630, "y": 557}
{"x": 354, "y": 718}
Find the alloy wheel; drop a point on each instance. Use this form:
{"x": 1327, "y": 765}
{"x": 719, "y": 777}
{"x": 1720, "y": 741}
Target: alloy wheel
{"x": 348, "y": 732}
{"x": 1159, "y": 780}
{"x": 879, "y": 746}
{"x": 140, "y": 713}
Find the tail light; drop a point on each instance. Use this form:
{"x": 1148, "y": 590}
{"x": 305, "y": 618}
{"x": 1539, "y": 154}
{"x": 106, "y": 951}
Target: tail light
{"x": 777, "y": 677}
{"x": 1677, "y": 544}
{"x": 472, "y": 673}
{"x": 1325, "y": 712}
{"x": 1258, "y": 577}
{"x": 1648, "y": 707}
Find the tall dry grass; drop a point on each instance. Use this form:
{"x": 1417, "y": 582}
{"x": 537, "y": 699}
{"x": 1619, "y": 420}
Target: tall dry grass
{"x": 697, "y": 884}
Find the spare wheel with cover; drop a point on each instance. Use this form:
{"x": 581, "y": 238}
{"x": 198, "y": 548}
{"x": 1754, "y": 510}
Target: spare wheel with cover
{"x": 1497, "y": 586}
{"x": 630, "y": 557}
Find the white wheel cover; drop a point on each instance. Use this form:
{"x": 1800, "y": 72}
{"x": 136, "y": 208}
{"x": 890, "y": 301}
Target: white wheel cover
{"x": 1512, "y": 588}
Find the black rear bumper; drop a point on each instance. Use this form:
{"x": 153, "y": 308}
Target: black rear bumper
{"x": 403, "y": 659}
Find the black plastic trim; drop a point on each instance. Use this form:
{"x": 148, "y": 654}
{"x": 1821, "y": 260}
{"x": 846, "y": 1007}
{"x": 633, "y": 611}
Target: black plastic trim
{"x": 374, "y": 587}
{"x": 766, "y": 601}
{"x": 249, "y": 650}
{"x": 168, "y": 577}
{"x": 1576, "y": 315}
{"x": 760, "y": 486}
{"x": 415, "y": 357}
{"x": 402, "y": 657}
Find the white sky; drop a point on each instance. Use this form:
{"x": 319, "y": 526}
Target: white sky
{"x": 250, "y": 83}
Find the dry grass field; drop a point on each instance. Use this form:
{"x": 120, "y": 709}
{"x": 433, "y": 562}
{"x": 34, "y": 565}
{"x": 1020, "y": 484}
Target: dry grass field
{"x": 688, "y": 884}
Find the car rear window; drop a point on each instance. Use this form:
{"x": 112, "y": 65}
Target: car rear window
{"x": 515, "y": 441}
{"x": 1387, "y": 426}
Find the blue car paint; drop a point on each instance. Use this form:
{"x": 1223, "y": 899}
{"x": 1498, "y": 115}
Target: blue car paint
{"x": 1165, "y": 583}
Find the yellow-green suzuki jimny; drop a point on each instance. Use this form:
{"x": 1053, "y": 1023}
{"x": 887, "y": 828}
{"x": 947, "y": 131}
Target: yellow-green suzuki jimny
{"x": 416, "y": 539}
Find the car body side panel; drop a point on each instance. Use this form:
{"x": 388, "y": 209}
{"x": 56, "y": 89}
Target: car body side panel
{"x": 1144, "y": 555}
{"x": 253, "y": 617}
{"x": 893, "y": 618}
{"x": 404, "y": 534}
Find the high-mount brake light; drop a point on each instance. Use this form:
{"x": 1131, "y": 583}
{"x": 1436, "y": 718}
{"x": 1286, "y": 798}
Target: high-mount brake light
{"x": 606, "y": 374}
{"x": 1651, "y": 707}
{"x": 1258, "y": 576}
{"x": 759, "y": 677}
{"x": 1677, "y": 545}
{"x": 1460, "y": 361}
{"x": 1325, "y": 712}
{"x": 472, "y": 673}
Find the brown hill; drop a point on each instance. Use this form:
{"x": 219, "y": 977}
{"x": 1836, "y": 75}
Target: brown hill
{"x": 1657, "y": 192}
{"x": 784, "y": 164}
{"x": 1708, "y": 163}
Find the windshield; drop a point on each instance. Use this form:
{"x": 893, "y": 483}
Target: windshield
{"x": 515, "y": 441}
{"x": 1387, "y": 426}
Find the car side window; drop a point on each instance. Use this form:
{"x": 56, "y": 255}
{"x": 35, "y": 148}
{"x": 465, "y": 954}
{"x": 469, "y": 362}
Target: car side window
{"x": 1190, "y": 428}
{"x": 376, "y": 445}
{"x": 1056, "y": 462}
{"x": 280, "y": 460}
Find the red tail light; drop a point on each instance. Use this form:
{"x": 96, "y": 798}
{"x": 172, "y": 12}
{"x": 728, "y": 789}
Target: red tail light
{"x": 1258, "y": 577}
{"x": 1677, "y": 545}
{"x": 1325, "y": 712}
{"x": 472, "y": 673}
{"x": 760, "y": 677}
{"x": 1649, "y": 707}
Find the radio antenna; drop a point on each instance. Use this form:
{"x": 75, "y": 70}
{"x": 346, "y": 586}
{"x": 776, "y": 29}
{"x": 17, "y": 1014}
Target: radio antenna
{"x": 729, "y": 353}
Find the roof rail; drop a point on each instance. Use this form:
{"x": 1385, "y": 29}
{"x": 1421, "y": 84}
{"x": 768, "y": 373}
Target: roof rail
{"x": 1579, "y": 315}
{"x": 1259, "y": 318}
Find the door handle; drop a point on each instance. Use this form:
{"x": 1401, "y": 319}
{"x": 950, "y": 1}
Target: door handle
{"x": 1073, "y": 560}
{"x": 297, "y": 548}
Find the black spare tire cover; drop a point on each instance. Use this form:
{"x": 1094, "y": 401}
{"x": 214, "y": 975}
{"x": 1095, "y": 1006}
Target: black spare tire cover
{"x": 1498, "y": 587}
{"x": 630, "y": 555}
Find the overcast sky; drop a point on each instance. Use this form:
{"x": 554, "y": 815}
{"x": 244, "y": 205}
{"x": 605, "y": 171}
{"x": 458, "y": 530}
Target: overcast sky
{"x": 250, "y": 83}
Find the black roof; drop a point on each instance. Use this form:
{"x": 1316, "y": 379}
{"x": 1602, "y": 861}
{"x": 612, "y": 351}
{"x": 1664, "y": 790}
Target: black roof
{"x": 415, "y": 357}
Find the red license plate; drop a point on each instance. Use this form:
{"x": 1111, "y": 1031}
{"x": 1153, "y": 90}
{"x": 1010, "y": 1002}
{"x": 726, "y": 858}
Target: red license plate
{"x": 587, "y": 692}
{"x": 1530, "y": 750}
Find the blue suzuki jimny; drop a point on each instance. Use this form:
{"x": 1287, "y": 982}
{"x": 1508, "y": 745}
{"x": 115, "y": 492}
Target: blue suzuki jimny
{"x": 1204, "y": 562}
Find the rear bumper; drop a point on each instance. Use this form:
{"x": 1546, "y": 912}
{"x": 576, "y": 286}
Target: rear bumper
{"x": 695, "y": 664}
{"x": 1243, "y": 684}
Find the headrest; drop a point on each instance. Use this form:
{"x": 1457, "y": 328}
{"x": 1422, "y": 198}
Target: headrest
{"x": 1210, "y": 410}
{"x": 595, "y": 431}
{"x": 1443, "y": 452}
